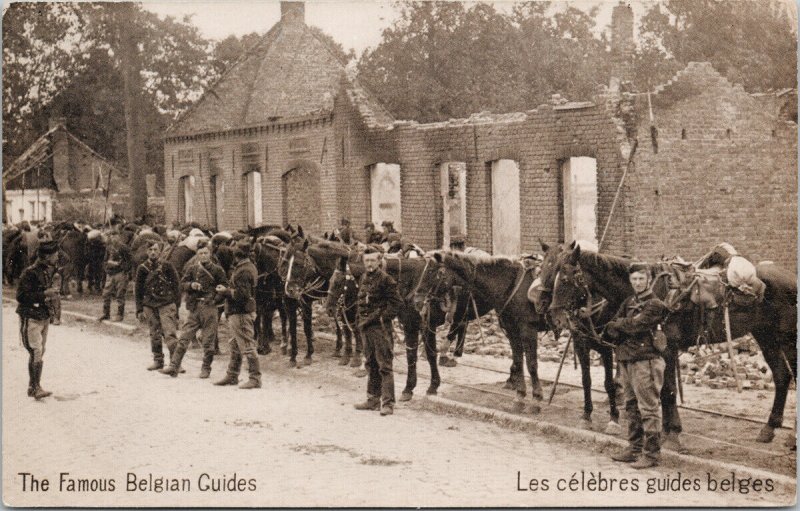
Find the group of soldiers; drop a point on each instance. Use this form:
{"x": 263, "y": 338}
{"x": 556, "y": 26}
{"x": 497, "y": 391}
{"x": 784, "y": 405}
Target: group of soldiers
{"x": 158, "y": 290}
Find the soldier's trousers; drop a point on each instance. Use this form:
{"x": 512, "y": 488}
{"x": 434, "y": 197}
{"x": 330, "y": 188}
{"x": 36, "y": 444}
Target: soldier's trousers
{"x": 243, "y": 345}
{"x": 33, "y": 333}
{"x": 641, "y": 383}
{"x": 163, "y": 322}
{"x": 378, "y": 360}
{"x": 204, "y": 318}
{"x": 116, "y": 287}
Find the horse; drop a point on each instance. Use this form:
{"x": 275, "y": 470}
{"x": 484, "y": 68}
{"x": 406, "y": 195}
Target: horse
{"x": 583, "y": 344}
{"x": 407, "y": 273}
{"x": 772, "y": 322}
{"x": 269, "y": 293}
{"x": 503, "y": 283}
{"x": 15, "y": 255}
{"x": 342, "y": 304}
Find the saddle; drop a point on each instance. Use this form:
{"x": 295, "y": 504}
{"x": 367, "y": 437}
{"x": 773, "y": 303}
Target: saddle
{"x": 532, "y": 262}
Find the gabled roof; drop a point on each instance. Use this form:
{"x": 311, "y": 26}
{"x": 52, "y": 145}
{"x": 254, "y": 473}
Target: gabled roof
{"x": 289, "y": 73}
{"x": 40, "y": 151}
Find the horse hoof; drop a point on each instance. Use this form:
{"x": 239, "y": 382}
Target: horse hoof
{"x": 344, "y": 361}
{"x": 766, "y": 435}
{"x": 356, "y": 362}
{"x": 360, "y": 373}
{"x": 450, "y": 362}
{"x": 518, "y": 406}
{"x": 791, "y": 442}
{"x": 432, "y": 391}
{"x": 283, "y": 350}
{"x": 508, "y": 385}
{"x": 337, "y": 354}
{"x": 586, "y": 424}
{"x": 292, "y": 363}
{"x": 406, "y": 396}
{"x": 307, "y": 361}
{"x": 613, "y": 428}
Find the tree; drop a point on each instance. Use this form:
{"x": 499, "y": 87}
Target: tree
{"x": 752, "y": 42}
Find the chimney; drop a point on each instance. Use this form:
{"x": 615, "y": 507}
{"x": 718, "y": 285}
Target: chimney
{"x": 294, "y": 12}
{"x": 622, "y": 45}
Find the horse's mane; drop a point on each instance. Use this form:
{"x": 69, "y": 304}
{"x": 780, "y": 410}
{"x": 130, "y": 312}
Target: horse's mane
{"x": 777, "y": 277}
{"x": 281, "y": 234}
{"x": 483, "y": 260}
{"x": 606, "y": 262}
{"x": 335, "y": 246}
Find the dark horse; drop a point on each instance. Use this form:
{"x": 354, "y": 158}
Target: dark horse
{"x": 267, "y": 252}
{"x": 502, "y": 284}
{"x": 772, "y": 322}
{"x": 583, "y": 344}
{"x": 408, "y": 273}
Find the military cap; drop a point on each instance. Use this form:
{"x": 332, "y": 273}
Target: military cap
{"x": 46, "y": 248}
{"x": 344, "y": 221}
{"x": 242, "y": 248}
{"x": 638, "y": 266}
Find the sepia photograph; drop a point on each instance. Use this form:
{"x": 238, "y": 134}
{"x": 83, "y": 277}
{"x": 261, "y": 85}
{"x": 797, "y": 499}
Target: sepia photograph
{"x": 399, "y": 253}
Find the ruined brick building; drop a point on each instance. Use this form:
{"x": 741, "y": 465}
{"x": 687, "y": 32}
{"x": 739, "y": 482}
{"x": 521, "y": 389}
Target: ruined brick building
{"x": 288, "y": 135}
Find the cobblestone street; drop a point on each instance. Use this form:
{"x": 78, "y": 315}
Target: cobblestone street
{"x": 297, "y": 438}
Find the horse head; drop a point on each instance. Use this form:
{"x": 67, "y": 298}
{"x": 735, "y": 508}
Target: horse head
{"x": 542, "y": 291}
{"x": 435, "y": 284}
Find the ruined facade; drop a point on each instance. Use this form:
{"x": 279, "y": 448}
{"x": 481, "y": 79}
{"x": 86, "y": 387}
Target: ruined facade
{"x": 287, "y": 135}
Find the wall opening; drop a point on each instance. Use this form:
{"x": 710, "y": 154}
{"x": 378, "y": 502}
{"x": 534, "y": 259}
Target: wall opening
{"x": 185, "y": 199}
{"x": 253, "y": 198}
{"x": 579, "y": 193}
{"x": 384, "y": 179}
{"x": 505, "y": 208}
{"x": 453, "y": 190}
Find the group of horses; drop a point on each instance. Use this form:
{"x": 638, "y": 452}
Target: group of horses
{"x": 567, "y": 288}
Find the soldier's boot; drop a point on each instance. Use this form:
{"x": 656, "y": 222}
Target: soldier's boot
{"x": 387, "y": 409}
{"x": 254, "y": 382}
{"x": 158, "y": 362}
{"x": 635, "y": 441}
{"x": 372, "y": 403}
{"x": 651, "y": 453}
{"x": 106, "y": 311}
{"x": 346, "y": 357}
{"x": 56, "y": 319}
{"x": 39, "y": 392}
{"x": 229, "y": 379}
{"x": 120, "y": 313}
{"x": 172, "y": 349}
{"x": 175, "y": 362}
{"x": 205, "y": 371}
{"x": 31, "y": 379}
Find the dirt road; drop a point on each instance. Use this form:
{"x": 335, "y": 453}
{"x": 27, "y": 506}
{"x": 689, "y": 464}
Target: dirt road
{"x": 295, "y": 442}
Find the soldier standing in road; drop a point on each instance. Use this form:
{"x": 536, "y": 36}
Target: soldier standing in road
{"x": 118, "y": 266}
{"x": 199, "y": 282}
{"x": 634, "y": 331}
{"x": 240, "y": 309}
{"x": 157, "y": 296}
{"x": 378, "y": 304}
{"x": 35, "y": 288}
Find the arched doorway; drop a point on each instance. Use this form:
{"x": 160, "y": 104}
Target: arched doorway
{"x": 302, "y": 204}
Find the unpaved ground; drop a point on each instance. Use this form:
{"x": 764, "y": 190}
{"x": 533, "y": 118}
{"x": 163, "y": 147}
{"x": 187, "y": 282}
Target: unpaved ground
{"x": 298, "y": 438}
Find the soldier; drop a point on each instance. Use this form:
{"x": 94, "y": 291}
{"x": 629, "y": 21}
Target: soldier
{"x": 240, "y": 309}
{"x": 118, "y": 267}
{"x": 157, "y": 296}
{"x": 199, "y": 282}
{"x": 345, "y": 233}
{"x": 35, "y": 288}
{"x": 378, "y": 304}
{"x": 371, "y": 236}
{"x": 634, "y": 331}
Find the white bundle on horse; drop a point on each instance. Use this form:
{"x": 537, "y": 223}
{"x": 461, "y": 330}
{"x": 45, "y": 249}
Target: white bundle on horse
{"x": 191, "y": 242}
{"x": 94, "y": 233}
{"x": 742, "y": 275}
{"x": 196, "y": 232}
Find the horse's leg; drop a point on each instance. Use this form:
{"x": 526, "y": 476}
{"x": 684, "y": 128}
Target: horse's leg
{"x": 411, "y": 334}
{"x": 291, "y": 310}
{"x": 607, "y": 355}
{"x": 283, "y": 313}
{"x": 773, "y": 354}
{"x": 517, "y": 377}
{"x": 671, "y": 419}
{"x": 357, "y": 360}
{"x": 305, "y": 313}
{"x": 337, "y": 351}
{"x": 582, "y": 352}
{"x": 530, "y": 339}
{"x": 348, "y": 339}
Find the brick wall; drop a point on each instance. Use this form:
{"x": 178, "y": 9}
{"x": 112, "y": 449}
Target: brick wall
{"x": 726, "y": 170}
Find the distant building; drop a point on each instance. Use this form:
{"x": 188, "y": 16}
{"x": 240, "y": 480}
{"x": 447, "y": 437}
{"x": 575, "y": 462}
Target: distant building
{"x": 288, "y": 135}
{"x": 60, "y": 177}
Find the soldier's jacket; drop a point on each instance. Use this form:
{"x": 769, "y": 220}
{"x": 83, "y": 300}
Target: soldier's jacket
{"x": 157, "y": 285}
{"x": 378, "y": 299}
{"x": 34, "y": 281}
{"x": 121, "y": 255}
{"x": 209, "y": 275}
{"x": 240, "y": 298}
{"x": 633, "y": 327}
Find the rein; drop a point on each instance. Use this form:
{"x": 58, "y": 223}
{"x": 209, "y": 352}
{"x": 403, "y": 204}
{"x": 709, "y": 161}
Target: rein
{"x": 581, "y": 320}
{"x": 516, "y": 288}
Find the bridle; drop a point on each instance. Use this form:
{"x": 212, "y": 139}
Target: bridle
{"x": 314, "y": 286}
{"x": 581, "y": 320}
